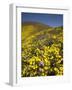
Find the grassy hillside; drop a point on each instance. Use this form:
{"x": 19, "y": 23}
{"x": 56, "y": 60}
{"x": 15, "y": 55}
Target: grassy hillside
{"x": 41, "y": 50}
{"x": 31, "y": 28}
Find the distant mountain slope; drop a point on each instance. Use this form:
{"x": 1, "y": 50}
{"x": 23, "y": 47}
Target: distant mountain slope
{"x": 36, "y": 25}
{"x": 31, "y": 28}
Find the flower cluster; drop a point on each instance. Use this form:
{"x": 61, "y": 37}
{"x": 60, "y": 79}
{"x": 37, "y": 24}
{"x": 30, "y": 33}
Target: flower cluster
{"x": 43, "y": 57}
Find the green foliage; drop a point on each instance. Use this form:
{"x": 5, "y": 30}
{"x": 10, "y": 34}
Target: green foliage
{"x": 42, "y": 52}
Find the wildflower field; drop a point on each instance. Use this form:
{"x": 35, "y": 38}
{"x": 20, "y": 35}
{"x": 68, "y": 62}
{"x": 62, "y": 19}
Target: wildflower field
{"x": 41, "y": 50}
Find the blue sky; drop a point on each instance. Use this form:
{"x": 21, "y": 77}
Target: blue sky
{"x": 48, "y": 19}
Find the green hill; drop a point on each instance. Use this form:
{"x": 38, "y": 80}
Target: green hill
{"x": 36, "y": 30}
{"x": 31, "y": 28}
